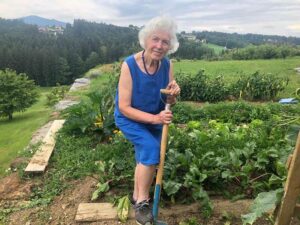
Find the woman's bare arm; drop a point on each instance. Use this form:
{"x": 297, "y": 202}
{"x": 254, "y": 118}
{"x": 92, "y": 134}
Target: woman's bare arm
{"x": 125, "y": 92}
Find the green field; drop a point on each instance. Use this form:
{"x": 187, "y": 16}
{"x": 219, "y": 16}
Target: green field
{"x": 217, "y": 48}
{"x": 16, "y": 134}
{"x": 233, "y": 68}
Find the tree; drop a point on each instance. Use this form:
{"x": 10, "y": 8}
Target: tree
{"x": 17, "y": 92}
{"x": 62, "y": 71}
{"x": 50, "y": 59}
{"x": 76, "y": 64}
{"x": 92, "y": 60}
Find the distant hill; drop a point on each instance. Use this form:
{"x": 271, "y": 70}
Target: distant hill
{"x": 42, "y": 22}
{"x": 234, "y": 40}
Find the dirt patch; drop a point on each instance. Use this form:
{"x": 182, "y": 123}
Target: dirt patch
{"x": 64, "y": 207}
{"x": 15, "y": 194}
{"x": 18, "y": 162}
{"x": 12, "y": 188}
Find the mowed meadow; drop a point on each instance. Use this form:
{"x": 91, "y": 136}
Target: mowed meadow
{"x": 232, "y": 69}
{"x": 16, "y": 134}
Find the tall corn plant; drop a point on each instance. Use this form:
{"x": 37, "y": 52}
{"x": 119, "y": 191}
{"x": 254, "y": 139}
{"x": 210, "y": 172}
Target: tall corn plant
{"x": 259, "y": 86}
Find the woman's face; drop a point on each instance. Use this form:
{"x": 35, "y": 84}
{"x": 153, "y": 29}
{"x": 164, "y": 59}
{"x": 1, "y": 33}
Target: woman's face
{"x": 158, "y": 44}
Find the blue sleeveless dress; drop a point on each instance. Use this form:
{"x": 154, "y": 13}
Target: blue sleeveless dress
{"x": 145, "y": 97}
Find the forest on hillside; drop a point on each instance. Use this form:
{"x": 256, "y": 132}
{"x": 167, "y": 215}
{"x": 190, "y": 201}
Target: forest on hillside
{"x": 235, "y": 40}
{"x": 50, "y": 59}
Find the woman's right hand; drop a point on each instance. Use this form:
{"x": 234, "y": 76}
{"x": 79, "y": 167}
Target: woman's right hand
{"x": 164, "y": 117}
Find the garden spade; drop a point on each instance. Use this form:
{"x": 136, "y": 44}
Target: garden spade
{"x": 159, "y": 175}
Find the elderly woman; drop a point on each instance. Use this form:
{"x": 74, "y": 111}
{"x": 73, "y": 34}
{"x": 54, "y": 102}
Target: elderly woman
{"x": 139, "y": 111}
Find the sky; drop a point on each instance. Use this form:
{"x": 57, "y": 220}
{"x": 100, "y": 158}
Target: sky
{"x": 271, "y": 17}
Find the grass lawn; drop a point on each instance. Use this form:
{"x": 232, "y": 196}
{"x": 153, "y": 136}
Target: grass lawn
{"x": 232, "y": 68}
{"x": 96, "y": 83}
{"x": 16, "y": 134}
{"x": 217, "y": 48}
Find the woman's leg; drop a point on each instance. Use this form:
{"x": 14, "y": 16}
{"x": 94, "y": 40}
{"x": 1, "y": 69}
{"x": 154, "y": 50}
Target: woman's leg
{"x": 136, "y": 187}
{"x": 147, "y": 145}
{"x": 143, "y": 180}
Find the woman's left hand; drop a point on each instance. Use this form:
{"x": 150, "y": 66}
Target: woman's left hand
{"x": 174, "y": 87}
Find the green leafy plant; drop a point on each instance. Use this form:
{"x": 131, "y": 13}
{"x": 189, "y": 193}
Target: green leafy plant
{"x": 94, "y": 114}
{"x": 216, "y": 89}
{"x": 239, "y": 112}
{"x": 56, "y": 94}
{"x": 200, "y": 87}
{"x": 123, "y": 208}
{"x": 211, "y": 155}
{"x": 101, "y": 188}
{"x": 81, "y": 118}
{"x": 265, "y": 203}
{"x": 257, "y": 86}
{"x": 104, "y": 121}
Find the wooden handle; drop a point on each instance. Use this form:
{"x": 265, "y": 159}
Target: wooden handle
{"x": 160, "y": 170}
{"x": 291, "y": 190}
{"x": 163, "y": 147}
{"x": 165, "y": 91}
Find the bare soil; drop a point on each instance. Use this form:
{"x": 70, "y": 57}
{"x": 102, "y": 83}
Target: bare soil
{"x": 64, "y": 207}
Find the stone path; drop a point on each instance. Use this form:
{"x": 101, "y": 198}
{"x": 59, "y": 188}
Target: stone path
{"x": 80, "y": 83}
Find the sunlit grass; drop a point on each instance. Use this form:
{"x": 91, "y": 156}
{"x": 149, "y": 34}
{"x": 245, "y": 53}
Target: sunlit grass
{"x": 16, "y": 134}
{"x": 217, "y": 48}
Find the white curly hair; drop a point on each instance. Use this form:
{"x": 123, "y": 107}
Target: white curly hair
{"x": 164, "y": 23}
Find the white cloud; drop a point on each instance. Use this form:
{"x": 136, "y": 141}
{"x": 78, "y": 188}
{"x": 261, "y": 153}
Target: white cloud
{"x": 245, "y": 16}
{"x": 66, "y": 10}
{"x": 294, "y": 27}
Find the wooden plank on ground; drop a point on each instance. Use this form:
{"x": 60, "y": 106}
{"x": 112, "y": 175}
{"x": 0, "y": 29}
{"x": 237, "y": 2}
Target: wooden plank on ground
{"x": 292, "y": 189}
{"x": 40, "y": 159}
{"x": 88, "y": 212}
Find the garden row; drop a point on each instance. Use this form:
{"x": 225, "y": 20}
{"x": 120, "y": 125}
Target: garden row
{"x": 253, "y": 87}
{"x": 235, "y": 149}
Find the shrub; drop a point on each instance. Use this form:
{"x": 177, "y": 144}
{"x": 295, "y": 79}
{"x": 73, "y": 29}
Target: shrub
{"x": 17, "y": 93}
{"x": 56, "y": 94}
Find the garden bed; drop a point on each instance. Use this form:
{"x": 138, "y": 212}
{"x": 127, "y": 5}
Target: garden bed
{"x": 219, "y": 156}
{"x": 63, "y": 208}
